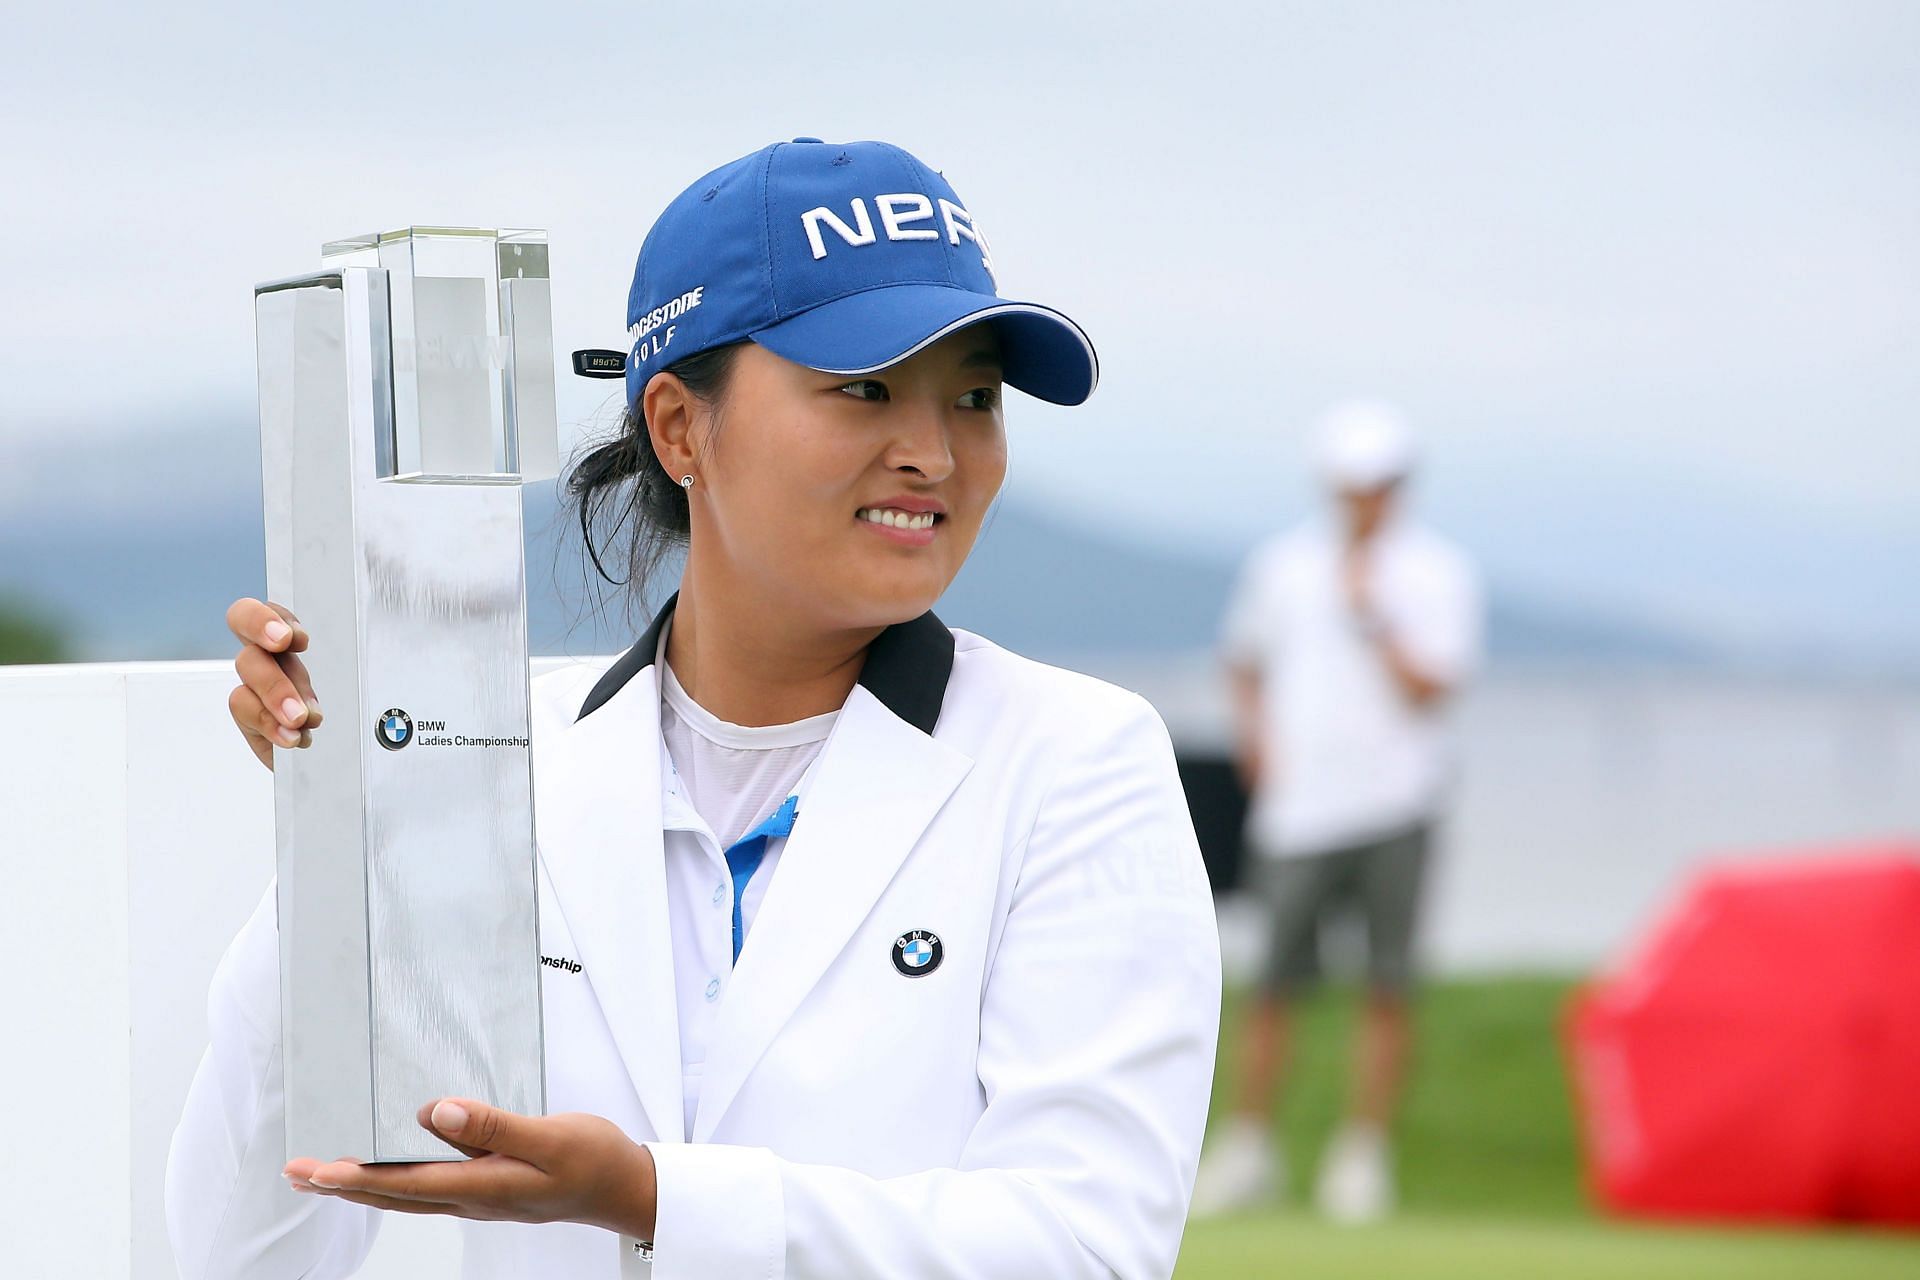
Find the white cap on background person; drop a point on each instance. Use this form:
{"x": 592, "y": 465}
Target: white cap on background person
{"x": 1363, "y": 445}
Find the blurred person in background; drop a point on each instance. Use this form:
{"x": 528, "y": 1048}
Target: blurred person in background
{"x": 1346, "y": 640}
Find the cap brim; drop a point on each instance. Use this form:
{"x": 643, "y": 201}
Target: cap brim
{"x": 1042, "y": 352}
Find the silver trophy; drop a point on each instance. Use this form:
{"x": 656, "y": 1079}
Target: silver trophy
{"x": 406, "y": 390}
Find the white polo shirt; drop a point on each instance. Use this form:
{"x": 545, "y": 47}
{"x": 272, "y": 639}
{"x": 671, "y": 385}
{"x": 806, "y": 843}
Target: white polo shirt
{"x": 1348, "y": 758}
{"x": 717, "y": 782}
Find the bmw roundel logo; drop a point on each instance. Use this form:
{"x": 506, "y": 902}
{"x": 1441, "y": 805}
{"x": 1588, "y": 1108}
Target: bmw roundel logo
{"x": 394, "y": 729}
{"x": 917, "y": 953}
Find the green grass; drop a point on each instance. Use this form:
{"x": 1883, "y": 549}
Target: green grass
{"x": 1488, "y": 1167}
{"x": 1464, "y": 1247}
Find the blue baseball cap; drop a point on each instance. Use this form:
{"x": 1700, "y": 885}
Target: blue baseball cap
{"x": 844, "y": 258}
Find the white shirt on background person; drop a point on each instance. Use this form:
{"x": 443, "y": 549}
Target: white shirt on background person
{"x": 1347, "y": 758}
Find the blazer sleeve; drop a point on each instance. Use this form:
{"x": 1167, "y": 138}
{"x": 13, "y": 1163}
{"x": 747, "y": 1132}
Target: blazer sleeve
{"x": 1098, "y": 1029}
{"x": 230, "y": 1212}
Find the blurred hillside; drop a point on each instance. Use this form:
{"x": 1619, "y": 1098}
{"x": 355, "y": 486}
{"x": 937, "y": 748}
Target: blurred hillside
{"x": 148, "y": 576}
{"x": 28, "y": 635}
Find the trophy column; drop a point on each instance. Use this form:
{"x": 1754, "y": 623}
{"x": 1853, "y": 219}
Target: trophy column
{"x": 405, "y": 392}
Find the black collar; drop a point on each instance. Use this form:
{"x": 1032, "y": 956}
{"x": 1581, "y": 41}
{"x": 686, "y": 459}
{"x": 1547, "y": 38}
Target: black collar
{"x": 907, "y": 667}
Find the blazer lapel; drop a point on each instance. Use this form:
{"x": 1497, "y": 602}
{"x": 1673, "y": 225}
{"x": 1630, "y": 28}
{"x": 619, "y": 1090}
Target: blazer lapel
{"x": 599, "y": 820}
{"x": 880, "y": 780}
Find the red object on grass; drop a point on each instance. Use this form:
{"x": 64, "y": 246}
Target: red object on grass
{"x": 1758, "y": 1055}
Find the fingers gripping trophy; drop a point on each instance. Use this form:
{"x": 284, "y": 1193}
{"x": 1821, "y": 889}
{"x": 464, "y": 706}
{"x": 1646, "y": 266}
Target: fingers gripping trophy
{"x": 406, "y": 392}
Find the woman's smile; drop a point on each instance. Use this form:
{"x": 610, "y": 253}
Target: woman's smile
{"x": 908, "y": 528}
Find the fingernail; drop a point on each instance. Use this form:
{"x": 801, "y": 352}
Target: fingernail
{"x": 450, "y": 1117}
{"x": 292, "y": 709}
{"x": 286, "y": 736}
{"x": 278, "y": 631}
{"x": 322, "y": 1182}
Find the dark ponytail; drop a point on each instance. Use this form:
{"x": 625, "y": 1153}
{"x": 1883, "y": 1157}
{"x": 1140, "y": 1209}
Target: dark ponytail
{"x": 621, "y": 482}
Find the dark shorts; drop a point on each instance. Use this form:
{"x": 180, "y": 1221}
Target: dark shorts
{"x": 1379, "y": 880}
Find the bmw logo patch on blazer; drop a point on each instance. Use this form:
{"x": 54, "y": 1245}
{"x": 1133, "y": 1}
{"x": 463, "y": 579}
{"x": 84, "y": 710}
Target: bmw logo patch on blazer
{"x": 1020, "y": 1090}
{"x": 917, "y": 953}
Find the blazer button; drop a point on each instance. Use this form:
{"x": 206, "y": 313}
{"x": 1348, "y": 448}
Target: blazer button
{"x": 713, "y": 989}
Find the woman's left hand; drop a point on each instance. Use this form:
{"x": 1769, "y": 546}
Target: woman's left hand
{"x": 564, "y": 1168}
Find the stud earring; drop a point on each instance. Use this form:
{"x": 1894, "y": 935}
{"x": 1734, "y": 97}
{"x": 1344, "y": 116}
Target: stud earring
{"x": 686, "y": 482}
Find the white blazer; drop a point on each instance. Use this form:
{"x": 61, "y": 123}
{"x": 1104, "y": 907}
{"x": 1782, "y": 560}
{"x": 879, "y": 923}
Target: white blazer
{"x": 1030, "y": 1108}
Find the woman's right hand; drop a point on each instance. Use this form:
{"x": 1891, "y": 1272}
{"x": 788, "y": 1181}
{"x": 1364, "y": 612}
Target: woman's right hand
{"x": 273, "y": 704}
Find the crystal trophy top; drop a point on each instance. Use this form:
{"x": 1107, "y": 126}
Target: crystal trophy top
{"x": 468, "y": 400}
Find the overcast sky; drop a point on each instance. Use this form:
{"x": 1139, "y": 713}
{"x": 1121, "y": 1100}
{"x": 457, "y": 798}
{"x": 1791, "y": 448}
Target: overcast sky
{"x": 1644, "y": 275}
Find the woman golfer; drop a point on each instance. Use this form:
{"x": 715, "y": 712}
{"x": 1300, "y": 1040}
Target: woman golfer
{"x": 872, "y": 949}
